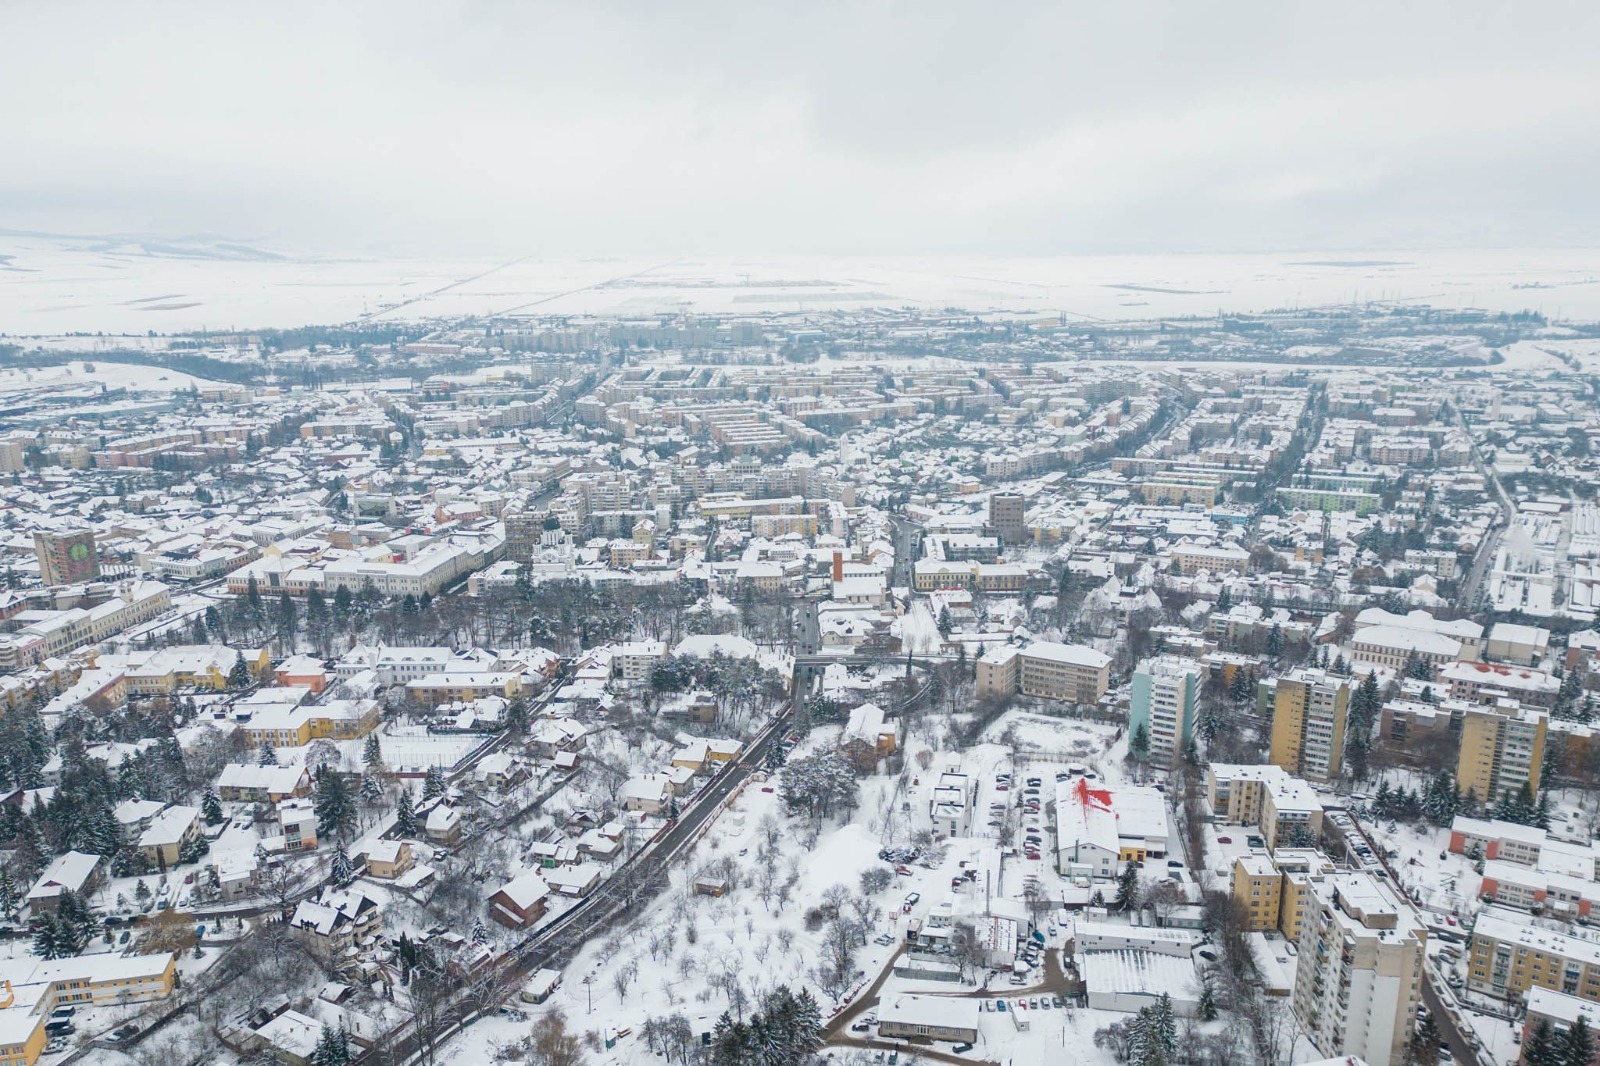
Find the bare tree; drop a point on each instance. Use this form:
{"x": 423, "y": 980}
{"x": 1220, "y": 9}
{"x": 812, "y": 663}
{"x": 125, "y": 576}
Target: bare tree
{"x": 968, "y": 951}
{"x": 431, "y": 1012}
{"x": 553, "y": 1045}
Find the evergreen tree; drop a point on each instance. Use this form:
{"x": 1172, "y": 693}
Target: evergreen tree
{"x": 331, "y": 800}
{"x": 1275, "y": 641}
{"x": 10, "y": 893}
{"x": 1139, "y": 743}
{"x": 1567, "y": 695}
{"x": 1206, "y": 1006}
{"x": 211, "y": 807}
{"x": 371, "y": 790}
{"x": 333, "y": 1048}
{"x": 266, "y": 755}
{"x": 1127, "y": 888}
{"x": 1541, "y": 811}
{"x": 45, "y": 944}
{"x": 405, "y": 820}
{"x": 288, "y": 621}
{"x": 372, "y": 751}
{"x": 433, "y": 784}
{"x": 340, "y": 868}
{"x": 1577, "y": 1044}
{"x": 1424, "y": 1049}
{"x": 517, "y": 716}
{"x": 316, "y": 606}
{"x": 239, "y": 676}
{"x": 1164, "y": 1029}
{"x": 1540, "y": 1048}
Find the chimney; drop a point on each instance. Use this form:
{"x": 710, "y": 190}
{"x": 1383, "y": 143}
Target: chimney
{"x": 838, "y": 566}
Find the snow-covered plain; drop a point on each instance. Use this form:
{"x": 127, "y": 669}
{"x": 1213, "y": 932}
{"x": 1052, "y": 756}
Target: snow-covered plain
{"x": 112, "y": 375}
{"x": 55, "y": 285}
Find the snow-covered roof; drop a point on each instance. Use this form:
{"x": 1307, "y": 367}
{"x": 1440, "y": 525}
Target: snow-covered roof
{"x": 1071, "y": 654}
{"x": 169, "y": 826}
{"x": 65, "y": 872}
{"x": 525, "y": 891}
{"x": 1134, "y": 972}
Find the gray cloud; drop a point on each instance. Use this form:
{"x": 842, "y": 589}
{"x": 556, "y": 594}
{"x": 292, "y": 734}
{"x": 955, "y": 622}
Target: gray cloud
{"x": 509, "y": 128}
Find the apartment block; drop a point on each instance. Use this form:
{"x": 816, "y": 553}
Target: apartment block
{"x": 1165, "y": 691}
{"x": 1308, "y": 722}
{"x": 67, "y": 558}
{"x": 1502, "y": 749}
{"x": 1008, "y": 516}
{"x": 1258, "y": 888}
{"x": 1509, "y": 956}
{"x": 1046, "y": 670}
{"x": 1064, "y": 672}
{"x": 1275, "y": 889}
{"x": 1358, "y": 975}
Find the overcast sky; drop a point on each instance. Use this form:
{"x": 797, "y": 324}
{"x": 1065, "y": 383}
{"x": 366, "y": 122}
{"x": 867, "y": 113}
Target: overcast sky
{"x": 509, "y": 128}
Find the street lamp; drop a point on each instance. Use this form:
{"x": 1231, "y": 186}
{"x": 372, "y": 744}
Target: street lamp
{"x": 588, "y": 988}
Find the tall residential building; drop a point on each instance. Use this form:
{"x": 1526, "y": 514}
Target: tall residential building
{"x": 1165, "y": 690}
{"x": 1502, "y": 749}
{"x": 1308, "y": 720}
{"x": 1358, "y": 974}
{"x": 67, "y": 558}
{"x": 1008, "y": 516}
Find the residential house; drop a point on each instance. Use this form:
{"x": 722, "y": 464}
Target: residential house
{"x": 443, "y": 825}
{"x": 170, "y": 833}
{"x": 297, "y": 819}
{"x": 336, "y": 921}
{"x": 869, "y": 736}
{"x": 520, "y": 902}
{"x": 302, "y": 670}
{"x": 552, "y": 736}
{"x": 249, "y": 783}
{"x": 388, "y": 859}
{"x": 76, "y": 871}
{"x": 577, "y": 880}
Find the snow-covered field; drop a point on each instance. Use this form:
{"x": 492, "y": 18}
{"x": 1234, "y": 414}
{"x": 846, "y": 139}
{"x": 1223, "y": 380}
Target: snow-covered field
{"x": 112, "y": 375}
{"x": 55, "y": 285}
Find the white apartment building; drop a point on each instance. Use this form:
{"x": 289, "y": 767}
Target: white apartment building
{"x": 1358, "y": 975}
{"x": 1163, "y": 703}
